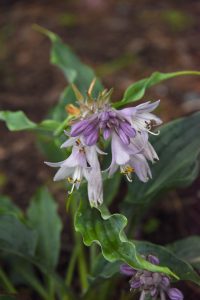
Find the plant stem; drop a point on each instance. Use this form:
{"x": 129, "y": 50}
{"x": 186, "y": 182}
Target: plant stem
{"x": 6, "y": 282}
{"x": 71, "y": 266}
{"x": 34, "y": 283}
{"x": 51, "y": 288}
{"x": 82, "y": 266}
{"x": 62, "y": 126}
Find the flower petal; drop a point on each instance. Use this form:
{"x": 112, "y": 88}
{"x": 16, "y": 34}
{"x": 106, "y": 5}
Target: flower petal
{"x": 70, "y": 142}
{"x": 54, "y": 164}
{"x": 119, "y": 151}
{"x": 63, "y": 173}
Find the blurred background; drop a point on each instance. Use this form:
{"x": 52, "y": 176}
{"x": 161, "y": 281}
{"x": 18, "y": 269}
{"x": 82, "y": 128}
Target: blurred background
{"x": 123, "y": 41}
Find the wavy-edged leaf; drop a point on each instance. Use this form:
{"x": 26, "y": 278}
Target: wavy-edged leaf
{"x": 107, "y": 231}
{"x": 137, "y": 90}
{"x": 44, "y": 218}
{"x": 174, "y": 256}
{"x": 180, "y": 267}
{"x": 178, "y": 148}
{"x": 187, "y": 249}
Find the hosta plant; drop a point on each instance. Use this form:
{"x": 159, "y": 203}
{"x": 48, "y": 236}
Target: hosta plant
{"x": 100, "y": 148}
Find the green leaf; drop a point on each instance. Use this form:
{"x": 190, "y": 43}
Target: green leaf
{"x": 16, "y": 238}
{"x": 107, "y": 231}
{"x": 8, "y": 207}
{"x": 174, "y": 256}
{"x": 104, "y": 269}
{"x": 178, "y": 148}
{"x": 137, "y": 90}
{"x": 187, "y": 249}
{"x": 48, "y": 125}
{"x": 180, "y": 267}
{"x": 17, "y": 120}
{"x": 74, "y": 70}
{"x": 44, "y": 218}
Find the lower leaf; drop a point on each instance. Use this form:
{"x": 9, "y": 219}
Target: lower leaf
{"x": 107, "y": 231}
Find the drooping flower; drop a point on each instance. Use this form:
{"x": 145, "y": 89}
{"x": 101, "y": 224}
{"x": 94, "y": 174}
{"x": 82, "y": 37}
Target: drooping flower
{"x": 82, "y": 163}
{"x": 128, "y": 129}
{"x": 151, "y": 284}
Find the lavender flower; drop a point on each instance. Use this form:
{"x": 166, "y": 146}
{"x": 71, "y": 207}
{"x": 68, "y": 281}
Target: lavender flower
{"x": 152, "y": 284}
{"x": 128, "y": 129}
{"x": 82, "y": 163}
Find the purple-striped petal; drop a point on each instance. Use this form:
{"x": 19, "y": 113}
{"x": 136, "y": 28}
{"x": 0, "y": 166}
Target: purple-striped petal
{"x": 90, "y": 129}
{"x": 92, "y": 138}
{"x": 124, "y": 138}
{"x": 128, "y": 130}
{"x": 79, "y": 127}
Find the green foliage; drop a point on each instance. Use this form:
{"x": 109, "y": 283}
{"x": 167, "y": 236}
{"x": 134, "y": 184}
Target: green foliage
{"x": 187, "y": 249}
{"x": 111, "y": 188}
{"x": 33, "y": 240}
{"x": 178, "y": 148}
{"x": 74, "y": 70}
{"x": 43, "y": 217}
{"x": 168, "y": 258}
{"x": 9, "y": 208}
{"x": 107, "y": 231}
{"x": 137, "y": 90}
{"x": 16, "y": 238}
{"x": 16, "y": 120}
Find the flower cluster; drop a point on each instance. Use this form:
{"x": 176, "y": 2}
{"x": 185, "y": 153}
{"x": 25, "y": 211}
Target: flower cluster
{"x": 128, "y": 130}
{"x": 151, "y": 284}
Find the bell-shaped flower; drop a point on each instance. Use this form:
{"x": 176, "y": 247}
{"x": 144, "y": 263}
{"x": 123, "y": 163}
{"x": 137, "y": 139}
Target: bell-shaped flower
{"x": 141, "y": 118}
{"x": 130, "y": 159}
{"x": 82, "y": 163}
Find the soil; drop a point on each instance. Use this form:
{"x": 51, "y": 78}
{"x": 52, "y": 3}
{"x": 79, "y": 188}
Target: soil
{"x": 123, "y": 41}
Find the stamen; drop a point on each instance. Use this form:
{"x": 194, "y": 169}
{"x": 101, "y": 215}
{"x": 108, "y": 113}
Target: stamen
{"x": 73, "y": 182}
{"x": 154, "y": 133}
{"x": 72, "y": 189}
{"x": 70, "y": 180}
{"x": 78, "y": 142}
{"x": 128, "y": 177}
{"x": 127, "y": 171}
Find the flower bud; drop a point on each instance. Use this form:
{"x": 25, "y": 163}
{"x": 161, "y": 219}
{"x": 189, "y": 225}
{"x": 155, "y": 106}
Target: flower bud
{"x": 175, "y": 294}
